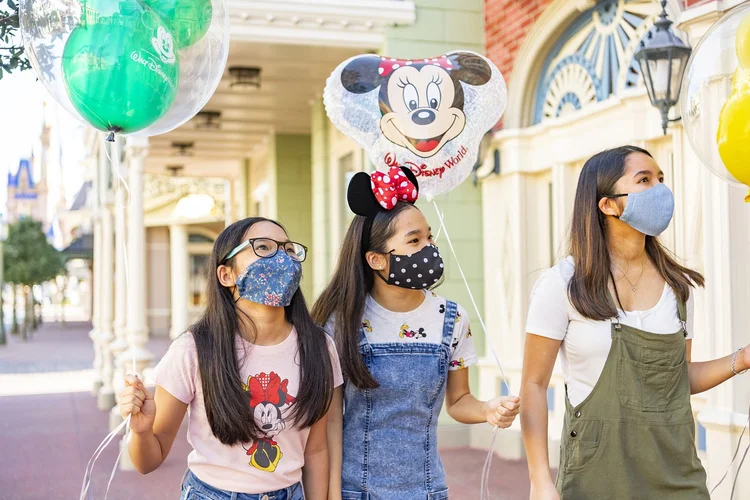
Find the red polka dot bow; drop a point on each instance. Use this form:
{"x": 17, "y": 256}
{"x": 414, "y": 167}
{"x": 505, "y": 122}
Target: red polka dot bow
{"x": 392, "y": 187}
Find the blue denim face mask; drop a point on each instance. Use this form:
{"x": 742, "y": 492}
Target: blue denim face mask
{"x": 649, "y": 211}
{"x": 272, "y": 281}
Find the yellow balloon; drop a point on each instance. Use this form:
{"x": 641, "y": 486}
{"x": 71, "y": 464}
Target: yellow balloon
{"x": 742, "y": 43}
{"x": 733, "y": 136}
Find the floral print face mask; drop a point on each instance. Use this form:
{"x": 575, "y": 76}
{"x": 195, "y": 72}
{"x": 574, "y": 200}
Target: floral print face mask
{"x": 272, "y": 281}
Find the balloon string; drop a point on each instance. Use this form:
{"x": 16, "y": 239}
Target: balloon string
{"x": 471, "y": 296}
{"x": 736, "y": 453}
{"x": 485, "y": 488}
{"x": 121, "y": 184}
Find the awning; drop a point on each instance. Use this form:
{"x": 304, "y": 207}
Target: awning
{"x": 80, "y": 248}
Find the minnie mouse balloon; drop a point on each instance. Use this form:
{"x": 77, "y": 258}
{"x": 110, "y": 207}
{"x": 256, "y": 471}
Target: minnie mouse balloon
{"x": 428, "y": 115}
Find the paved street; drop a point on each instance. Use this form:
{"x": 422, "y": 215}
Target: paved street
{"x": 50, "y": 426}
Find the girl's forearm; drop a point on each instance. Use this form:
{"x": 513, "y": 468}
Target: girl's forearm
{"x": 315, "y": 475}
{"x": 468, "y": 410}
{"x": 145, "y": 452}
{"x": 706, "y": 375}
{"x": 534, "y": 426}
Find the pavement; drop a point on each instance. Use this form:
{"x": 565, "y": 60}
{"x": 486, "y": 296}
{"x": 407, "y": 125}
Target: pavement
{"x": 50, "y": 427}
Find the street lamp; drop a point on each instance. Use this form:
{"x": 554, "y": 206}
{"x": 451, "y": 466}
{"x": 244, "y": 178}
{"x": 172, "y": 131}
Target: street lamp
{"x": 662, "y": 58}
{"x": 3, "y": 237}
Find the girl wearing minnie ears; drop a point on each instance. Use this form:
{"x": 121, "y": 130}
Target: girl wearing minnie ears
{"x": 255, "y": 376}
{"x": 403, "y": 350}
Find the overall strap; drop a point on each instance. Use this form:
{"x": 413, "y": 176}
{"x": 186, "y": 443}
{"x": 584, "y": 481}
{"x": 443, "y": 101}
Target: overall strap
{"x": 682, "y": 314}
{"x": 363, "y": 337}
{"x": 616, "y": 320}
{"x": 449, "y": 323}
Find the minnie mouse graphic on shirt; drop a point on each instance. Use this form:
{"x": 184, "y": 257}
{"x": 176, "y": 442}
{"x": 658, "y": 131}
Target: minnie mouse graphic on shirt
{"x": 268, "y": 396}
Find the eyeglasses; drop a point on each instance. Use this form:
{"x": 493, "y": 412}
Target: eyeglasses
{"x": 265, "y": 248}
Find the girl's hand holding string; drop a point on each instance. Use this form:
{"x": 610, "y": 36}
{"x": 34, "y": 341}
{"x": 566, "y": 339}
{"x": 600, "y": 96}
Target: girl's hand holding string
{"x": 502, "y": 411}
{"x": 137, "y": 402}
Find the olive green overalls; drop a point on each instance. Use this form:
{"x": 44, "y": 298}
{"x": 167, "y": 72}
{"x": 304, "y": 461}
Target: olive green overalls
{"x": 633, "y": 437}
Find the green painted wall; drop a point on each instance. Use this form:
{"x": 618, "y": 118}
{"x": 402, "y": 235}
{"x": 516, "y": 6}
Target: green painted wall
{"x": 443, "y": 26}
{"x": 321, "y": 251}
{"x": 294, "y": 197}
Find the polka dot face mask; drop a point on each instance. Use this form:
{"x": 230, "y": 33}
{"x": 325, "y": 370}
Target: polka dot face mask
{"x": 418, "y": 271}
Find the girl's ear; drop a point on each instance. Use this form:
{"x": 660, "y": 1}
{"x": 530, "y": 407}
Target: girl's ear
{"x": 376, "y": 261}
{"x": 226, "y": 277}
{"x": 609, "y": 206}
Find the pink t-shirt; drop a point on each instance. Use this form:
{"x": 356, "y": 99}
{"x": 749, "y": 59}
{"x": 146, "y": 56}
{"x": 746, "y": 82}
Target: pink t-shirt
{"x": 272, "y": 375}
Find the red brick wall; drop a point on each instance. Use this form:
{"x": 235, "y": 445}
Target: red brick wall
{"x": 506, "y": 24}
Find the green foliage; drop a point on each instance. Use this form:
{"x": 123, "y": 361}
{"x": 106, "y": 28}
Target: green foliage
{"x": 29, "y": 258}
{"x": 12, "y": 55}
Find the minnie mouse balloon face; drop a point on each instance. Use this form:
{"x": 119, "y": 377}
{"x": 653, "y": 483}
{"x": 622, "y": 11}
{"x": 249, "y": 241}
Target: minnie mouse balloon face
{"x": 428, "y": 115}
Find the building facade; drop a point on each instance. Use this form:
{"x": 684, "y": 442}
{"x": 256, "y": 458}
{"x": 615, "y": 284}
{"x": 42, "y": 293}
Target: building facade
{"x": 268, "y": 149}
{"x": 574, "y": 90}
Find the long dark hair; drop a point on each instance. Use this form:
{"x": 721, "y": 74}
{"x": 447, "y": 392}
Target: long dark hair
{"x": 344, "y": 297}
{"x": 588, "y": 289}
{"x": 227, "y": 403}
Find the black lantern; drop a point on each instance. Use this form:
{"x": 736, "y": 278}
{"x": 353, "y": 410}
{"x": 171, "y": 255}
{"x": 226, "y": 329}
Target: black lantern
{"x": 663, "y": 57}
{"x": 244, "y": 77}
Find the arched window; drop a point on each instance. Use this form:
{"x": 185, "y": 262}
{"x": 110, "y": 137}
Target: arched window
{"x": 593, "y": 58}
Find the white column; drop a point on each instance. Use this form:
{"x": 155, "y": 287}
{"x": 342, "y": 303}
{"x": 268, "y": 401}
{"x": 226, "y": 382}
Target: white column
{"x": 178, "y": 241}
{"x": 137, "y": 328}
{"x": 96, "y": 281}
{"x": 563, "y": 194}
{"x": 228, "y": 202}
{"x": 106, "y": 293}
{"x": 120, "y": 343}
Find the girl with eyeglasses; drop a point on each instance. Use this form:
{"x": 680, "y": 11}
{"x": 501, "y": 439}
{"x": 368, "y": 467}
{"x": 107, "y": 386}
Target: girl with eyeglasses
{"x": 254, "y": 374}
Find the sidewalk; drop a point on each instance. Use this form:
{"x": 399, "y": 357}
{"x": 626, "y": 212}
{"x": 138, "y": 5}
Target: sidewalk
{"x": 50, "y": 426}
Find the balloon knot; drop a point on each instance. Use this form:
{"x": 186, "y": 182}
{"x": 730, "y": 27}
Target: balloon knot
{"x": 111, "y": 137}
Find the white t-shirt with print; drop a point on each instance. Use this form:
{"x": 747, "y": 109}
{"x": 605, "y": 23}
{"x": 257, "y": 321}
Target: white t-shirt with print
{"x": 422, "y": 325}
{"x": 585, "y": 342}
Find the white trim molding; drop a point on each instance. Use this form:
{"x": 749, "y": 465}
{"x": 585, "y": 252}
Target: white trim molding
{"x": 340, "y": 23}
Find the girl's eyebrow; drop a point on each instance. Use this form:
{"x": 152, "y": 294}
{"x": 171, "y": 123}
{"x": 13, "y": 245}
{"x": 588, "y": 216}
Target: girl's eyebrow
{"x": 647, "y": 172}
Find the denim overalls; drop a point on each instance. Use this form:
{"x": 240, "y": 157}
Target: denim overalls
{"x": 390, "y": 433}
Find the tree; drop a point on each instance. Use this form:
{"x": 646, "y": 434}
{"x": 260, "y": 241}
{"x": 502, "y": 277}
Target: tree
{"x": 12, "y": 55}
{"x": 29, "y": 260}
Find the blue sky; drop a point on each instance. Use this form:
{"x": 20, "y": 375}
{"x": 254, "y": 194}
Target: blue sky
{"x": 22, "y": 113}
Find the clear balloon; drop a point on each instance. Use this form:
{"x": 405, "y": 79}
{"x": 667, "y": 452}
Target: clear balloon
{"x": 429, "y": 115}
{"x": 201, "y": 67}
{"x": 46, "y": 27}
{"x": 187, "y": 19}
{"x": 715, "y": 97}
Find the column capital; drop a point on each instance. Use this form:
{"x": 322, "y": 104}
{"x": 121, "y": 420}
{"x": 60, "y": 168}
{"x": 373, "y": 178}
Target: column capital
{"x": 137, "y": 148}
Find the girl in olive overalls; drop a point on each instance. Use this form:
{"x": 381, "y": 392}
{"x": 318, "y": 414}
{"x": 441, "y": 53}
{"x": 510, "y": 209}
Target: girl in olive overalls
{"x": 404, "y": 350}
{"x": 620, "y": 312}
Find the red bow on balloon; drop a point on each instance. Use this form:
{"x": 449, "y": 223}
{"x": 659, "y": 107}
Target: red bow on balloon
{"x": 392, "y": 187}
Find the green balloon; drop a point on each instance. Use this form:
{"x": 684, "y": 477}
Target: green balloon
{"x": 188, "y": 19}
{"x": 121, "y": 70}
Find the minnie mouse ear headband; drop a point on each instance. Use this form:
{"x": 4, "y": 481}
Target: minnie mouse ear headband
{"x": 370, "y": 194}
